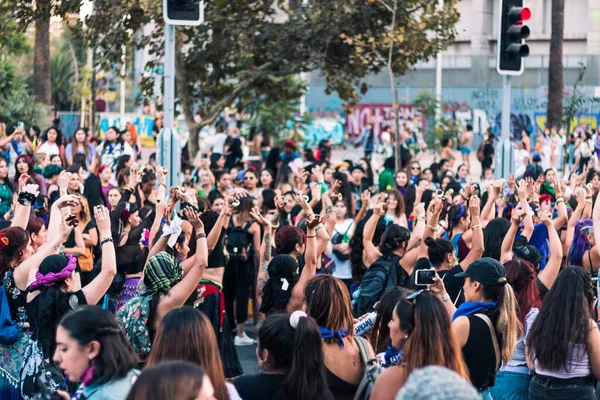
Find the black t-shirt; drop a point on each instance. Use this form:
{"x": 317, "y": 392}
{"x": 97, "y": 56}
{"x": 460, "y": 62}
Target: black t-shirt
{"x": 45, "y": 331}
{"x": 453, "y": 284}
{"x": 422, "y": 263}
{"x": 70, "y": 242}
{"x": 264, "y": 387}
{"x": 216, "y": 258}
{"x": 356, "y": 191}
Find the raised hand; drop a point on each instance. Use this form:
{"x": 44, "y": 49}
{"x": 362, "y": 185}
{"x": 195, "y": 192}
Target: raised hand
{"x": 545, "y": 218}
{"x": 258, "y": 217}
{"x": 318, "y": 173}
{"x": 161, "y": 175}
{"x": 314, "y": 220}
{"x": 522, "y": 190}
{"x": 365, "y": 197}
{"x": 315, "y": 191}
{"x": 133, "y": 176}
{"x": 31, "y": 188}
{"x": 518, "y": 215}
{"x": 102, "y": 216}
{"x": 23, "y": 179}
{"x": 66, "y": 227}
{"x": 193, "y": 218}
{"x": 69, "y": 200}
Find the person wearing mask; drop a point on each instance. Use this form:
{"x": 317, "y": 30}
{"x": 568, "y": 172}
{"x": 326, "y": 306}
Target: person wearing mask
{"x": 91, "y": 350}
{"x": 186, "y": 334}
{"x": 563, "y": 342}
{"x": 486, "y": 324}
{"x": 328, "y": 302}
{"x": 291, "y": 354}
{"x": 174, "y": 380}
{"x": 420, "y": 326}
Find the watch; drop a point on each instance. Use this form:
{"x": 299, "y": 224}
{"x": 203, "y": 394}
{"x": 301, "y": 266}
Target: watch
{"x": 445, "y": 297}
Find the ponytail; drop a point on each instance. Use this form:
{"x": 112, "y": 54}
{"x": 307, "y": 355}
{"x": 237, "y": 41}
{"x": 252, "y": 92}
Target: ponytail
{"x": 507, "y": 324}
{"x": 306, "y": 378}
{"x": 295, "y": 346}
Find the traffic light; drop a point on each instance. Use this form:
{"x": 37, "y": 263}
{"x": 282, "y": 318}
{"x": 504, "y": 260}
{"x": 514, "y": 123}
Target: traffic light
{"x": 183, "y": 12}
{"x": 511, "y": 37}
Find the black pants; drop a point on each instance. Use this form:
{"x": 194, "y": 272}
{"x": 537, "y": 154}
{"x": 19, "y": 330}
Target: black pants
{"x": 236, "y": 288}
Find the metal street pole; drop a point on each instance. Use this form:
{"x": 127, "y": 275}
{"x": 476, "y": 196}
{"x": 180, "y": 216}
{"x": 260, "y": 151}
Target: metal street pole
{"x": 168, "y": 149}
{"x": 438, "y": 76}
{"x": 122, "y": 89}
{"x": 504, "y": 158}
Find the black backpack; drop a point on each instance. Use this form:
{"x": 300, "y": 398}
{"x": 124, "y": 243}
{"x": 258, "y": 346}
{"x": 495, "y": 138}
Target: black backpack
{"x": 237, "y": 241}
{"x": 381, "y": 275}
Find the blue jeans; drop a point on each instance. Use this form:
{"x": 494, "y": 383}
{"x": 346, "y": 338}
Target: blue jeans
{"x": 547, "y": 388}
{"x": 486, "y": 394}
{"x": 511, "y": 386}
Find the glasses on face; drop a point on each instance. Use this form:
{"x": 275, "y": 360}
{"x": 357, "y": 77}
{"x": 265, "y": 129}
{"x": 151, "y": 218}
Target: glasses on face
{"x": 415, "y": 168}
{"x": 413, "y": 297}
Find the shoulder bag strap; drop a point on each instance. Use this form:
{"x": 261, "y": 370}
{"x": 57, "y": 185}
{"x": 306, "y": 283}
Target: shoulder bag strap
{"x": 372, "y": 369}
{"x": 487, "y": 320}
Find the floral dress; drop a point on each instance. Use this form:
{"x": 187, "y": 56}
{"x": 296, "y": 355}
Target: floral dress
{"x": 11, "y": 356}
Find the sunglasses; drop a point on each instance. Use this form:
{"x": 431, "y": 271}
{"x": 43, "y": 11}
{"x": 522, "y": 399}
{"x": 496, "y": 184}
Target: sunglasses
{"x": 413, "y": 297}
{"x": 248, "y": 178}
{"x": 416, "y": 168}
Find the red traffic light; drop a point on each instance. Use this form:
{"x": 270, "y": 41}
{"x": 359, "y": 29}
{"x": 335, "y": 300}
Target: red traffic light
{"x": 525, "y": 14}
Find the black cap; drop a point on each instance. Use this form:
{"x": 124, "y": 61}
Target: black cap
{"x": 358, "y": 167}
{"x": 486, "y": 271}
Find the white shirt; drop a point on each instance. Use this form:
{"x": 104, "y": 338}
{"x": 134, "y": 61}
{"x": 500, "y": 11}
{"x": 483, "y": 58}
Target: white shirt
{"x": 48, "y": 148}
{"x": 218, "y": 142}
{"x": 343, "y": 268}
{"x": 520, "y": 165}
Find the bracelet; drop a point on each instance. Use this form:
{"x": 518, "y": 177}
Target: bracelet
{"x": 106, "y": 240}
{"x": 560, "y": 200}
{"x": 589, "y": 202}
{"x": 26, "y": 198}
{"x": 200, "y": 235}
{"x": 476, "y": 227}
{"x": 431, "y": 228}
{"x": 311, "y": 236}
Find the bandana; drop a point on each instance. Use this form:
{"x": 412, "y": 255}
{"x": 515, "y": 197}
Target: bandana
{"x": 473, "y": 307}
{"x": 338, "y": 334}
{"x": 161, "y": 273}
{"x": 52, "y": 278}
{"x": 173, "y": 231}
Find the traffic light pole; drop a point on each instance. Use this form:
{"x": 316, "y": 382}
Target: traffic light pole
{"x": 168, "y": 150}
{"x": 504, "y": 156}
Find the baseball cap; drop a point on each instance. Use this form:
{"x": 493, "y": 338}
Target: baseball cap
{"x": 536, "y": 157}
{"x": 486, "y": 271}
{"x": 290, "y": 143}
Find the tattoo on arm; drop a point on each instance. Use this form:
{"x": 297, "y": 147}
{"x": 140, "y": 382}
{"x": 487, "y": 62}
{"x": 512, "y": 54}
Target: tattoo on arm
{"x": 329, "y": 210}
{"x": 267, "y": 252}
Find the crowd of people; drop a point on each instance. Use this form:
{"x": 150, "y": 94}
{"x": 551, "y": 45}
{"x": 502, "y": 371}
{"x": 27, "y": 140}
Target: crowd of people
{"x": 353, "y": 283}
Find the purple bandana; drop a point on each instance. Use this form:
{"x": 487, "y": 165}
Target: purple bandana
{"x": 51, "y": 278}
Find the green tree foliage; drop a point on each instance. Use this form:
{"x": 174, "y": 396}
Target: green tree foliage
{"x": 16, "y": 102}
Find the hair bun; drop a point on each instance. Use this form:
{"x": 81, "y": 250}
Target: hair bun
{"x": 295, "y": 318}
{"x": 429, "y": 241}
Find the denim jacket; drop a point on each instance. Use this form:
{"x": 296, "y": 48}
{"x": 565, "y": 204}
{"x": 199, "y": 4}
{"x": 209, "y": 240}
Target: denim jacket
{"x": 114, "y": 390}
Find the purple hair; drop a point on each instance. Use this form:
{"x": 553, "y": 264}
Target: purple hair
{"x": 580, "y": 243}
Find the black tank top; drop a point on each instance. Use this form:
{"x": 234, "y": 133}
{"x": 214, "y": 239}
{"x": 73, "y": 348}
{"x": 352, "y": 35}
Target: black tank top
{"x": 479, "y": 353}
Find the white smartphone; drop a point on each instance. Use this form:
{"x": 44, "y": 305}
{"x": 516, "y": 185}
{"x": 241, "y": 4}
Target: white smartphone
{"x": 424, "y": 277}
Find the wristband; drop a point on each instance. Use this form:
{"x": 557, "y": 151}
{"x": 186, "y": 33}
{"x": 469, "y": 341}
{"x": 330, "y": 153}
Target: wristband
{"x": 560, "y": 200}
{"x": 200, "y": 235}
{"x": 26, "y": 198}
{"x": 106, "y": 240}
{"x": 476, "y": 227}
{"x": 445, "y": 297}
{"x": 431, "y": 228}
{"x": 311, "y": 236}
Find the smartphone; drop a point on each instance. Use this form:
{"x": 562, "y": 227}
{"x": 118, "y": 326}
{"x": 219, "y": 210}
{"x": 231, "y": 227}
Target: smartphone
{"x": 204, "y": 155}
{"x": 21, "y": 125}
{"x": 424, "y": 277}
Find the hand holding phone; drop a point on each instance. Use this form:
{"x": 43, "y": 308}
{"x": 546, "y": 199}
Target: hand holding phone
{"x": 425, "y": 277}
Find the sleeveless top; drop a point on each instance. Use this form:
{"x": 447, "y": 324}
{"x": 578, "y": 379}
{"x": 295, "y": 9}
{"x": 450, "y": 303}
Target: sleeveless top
{"x": 17, "y": 300}
{"x": 578, "y": 366}
{"x": 340, "y": 389}
{"x": 479, "y": 353}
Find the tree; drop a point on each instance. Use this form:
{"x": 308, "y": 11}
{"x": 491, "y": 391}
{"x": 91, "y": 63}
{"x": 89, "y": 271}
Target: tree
{"x": 555, "y": 67}
{"x": 244, "y": 47}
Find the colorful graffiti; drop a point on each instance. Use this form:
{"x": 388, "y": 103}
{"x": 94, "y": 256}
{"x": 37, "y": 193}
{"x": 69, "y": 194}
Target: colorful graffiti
{"x": 143, "y": 123}
{"x": 587, "y": 119}
{"x": 323, "y": 128}
{"x": 381, "y": 116}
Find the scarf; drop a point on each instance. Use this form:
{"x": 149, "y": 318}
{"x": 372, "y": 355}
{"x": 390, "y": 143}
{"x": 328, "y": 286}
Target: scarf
{"x": 161, "y": 273}
{"x": 85, "y": 381}
{"x": 473, "y": 307}
{"x": 392, "y": 357}
{"x": 549, "y": 188}
{"x": 338, "y": 334}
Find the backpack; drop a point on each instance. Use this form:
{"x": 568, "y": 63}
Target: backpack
{"x": 339, "y": 238}
{"x": 237, "y": 241}
{"x": 133, "y": 320}
{"x": 372, "y": 370}
{"x": 9, "y": 331}
{"x": 381, "y": 275}
{"x": 481, "y": 152}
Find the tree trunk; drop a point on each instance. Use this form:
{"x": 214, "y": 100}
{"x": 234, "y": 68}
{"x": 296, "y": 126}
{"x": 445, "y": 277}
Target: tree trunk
{"x": 555, "y": 68}
{"x": 41, "y": 55}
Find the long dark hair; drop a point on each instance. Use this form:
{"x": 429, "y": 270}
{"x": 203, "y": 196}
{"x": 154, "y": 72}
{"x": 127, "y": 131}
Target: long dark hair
{"x": 18, "y": 239}
{"x": 455, "y": 213}
{"x": 522, "y": 277}
{"x": 298, "y": 352}
{"x": 438, "y": 249}
{"x": 186, "y": 334}
{"x": 91, "y": 323}
{"x": 380, "y": 335}
{"x": 493, "y": 235}
{"x": 563, "y": 320}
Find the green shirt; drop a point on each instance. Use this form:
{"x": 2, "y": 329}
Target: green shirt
{"x": 386, "y": 180}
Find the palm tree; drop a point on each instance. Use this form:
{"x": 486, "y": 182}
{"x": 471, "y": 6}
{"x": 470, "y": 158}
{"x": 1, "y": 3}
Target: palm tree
{"x": 63, "y": 79}
{"x": 41, "y": 52}
{"x": 555, "y": 67}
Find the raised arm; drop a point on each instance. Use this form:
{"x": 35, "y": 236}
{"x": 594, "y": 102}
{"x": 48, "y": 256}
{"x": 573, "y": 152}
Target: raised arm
{"x": 79, "y": 248}
{"x": 23, "y": 206}
{"x": 509, "y": 239}
{"x": 489, "y": 210}
{"x": 596, "y": 223}
{"x": 372, "y": 253}
{"x": 179, "y": 293}
{"x": 575, "y": 216}
{"x": 96, "y": 289}
{"x": 310, "y": 265}
{"x": 365, "y": 199}
{"x": 527, "y": 217}
{"x": 562, "y": 217}
{"x": 413, "y": 246}
{"x": 548, "y": 275}
{"x": 265, "y": 251}
{"x": 477, "y": 246}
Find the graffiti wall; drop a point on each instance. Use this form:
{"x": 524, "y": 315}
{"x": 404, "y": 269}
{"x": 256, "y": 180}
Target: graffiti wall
{"x": 381, "y": 116}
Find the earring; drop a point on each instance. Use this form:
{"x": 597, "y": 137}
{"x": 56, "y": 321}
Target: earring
{"x": 406, "y": 336}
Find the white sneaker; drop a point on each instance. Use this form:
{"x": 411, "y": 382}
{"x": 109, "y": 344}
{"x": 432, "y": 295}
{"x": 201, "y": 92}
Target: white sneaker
{"x": 245, "y": 340}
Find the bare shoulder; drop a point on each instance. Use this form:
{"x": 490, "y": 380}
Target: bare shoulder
{"x": 388, "y": 383}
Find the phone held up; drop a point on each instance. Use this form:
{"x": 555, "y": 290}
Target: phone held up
{"x": 425, "y": 277}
